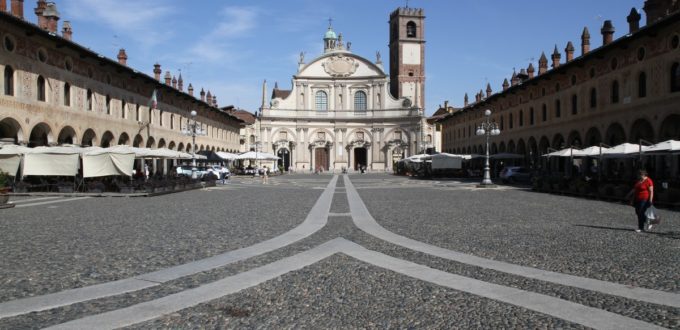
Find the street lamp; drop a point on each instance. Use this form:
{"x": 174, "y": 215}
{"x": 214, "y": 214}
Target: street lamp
{"x": 258, "y": 147}
{"x": 487, "y": 128}
{"x": 193, "y": 129}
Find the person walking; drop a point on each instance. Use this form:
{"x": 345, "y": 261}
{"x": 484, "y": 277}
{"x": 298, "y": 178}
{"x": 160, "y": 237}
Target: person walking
{"x": 224, "y": 174}
{"x": 265, "y": 175}
{"x": 641, "y": 197}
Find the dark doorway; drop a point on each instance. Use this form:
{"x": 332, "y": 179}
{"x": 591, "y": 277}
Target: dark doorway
{"x": 284, "y": 155}
{"x": 360, "y": 158}
{"x": 321, "y": 159}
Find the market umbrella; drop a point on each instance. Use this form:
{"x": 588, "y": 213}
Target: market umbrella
{"x": 593, "y": 151}
{"x": 624, "y": 150}
{"x": 664, "y": 148}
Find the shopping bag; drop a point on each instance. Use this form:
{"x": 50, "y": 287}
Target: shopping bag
{"x": 652, "y": 216}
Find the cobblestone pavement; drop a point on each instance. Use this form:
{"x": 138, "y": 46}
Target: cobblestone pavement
{"x": 357, "y": 251}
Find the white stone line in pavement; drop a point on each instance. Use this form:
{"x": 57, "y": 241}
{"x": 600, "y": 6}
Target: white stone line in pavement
{"x": 315, "y": 220}
{"x": 556, "y": 307}
{"x": 52, "y": 202}
{"x": 363, "y": 219}
{"x": 31, "y": 200}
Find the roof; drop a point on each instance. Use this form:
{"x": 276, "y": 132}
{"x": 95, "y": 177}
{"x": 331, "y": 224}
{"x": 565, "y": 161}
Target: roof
{"x": 85, "y": 53}
{"x": 281, "y": 93}
{"x": 646, "y": 31}
{"x": 245, "y": 116}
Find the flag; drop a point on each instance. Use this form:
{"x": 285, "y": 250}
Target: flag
{"x": 153, "y": 103}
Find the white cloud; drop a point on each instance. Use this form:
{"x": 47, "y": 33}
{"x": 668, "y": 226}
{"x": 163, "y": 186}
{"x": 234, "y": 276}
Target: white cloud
{"x": 136, "y": 19}
{"x": 235, "y": 22}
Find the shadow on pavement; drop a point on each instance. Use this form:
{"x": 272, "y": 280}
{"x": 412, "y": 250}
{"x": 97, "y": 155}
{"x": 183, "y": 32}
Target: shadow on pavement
{"x": 669, "y": 234}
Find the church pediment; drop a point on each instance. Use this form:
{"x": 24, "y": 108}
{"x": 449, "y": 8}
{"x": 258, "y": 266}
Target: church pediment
{"x": 340, "y": 65}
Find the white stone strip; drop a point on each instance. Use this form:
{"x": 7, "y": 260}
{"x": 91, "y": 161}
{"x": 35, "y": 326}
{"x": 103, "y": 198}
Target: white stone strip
{"x": 563, "y": 309}
{"x": 52, "y": 202}
{"x": 363, "y": 219}
{"x": 21, "y": 201}
{"x": 556, "y": 307}
{"x": 185, "y": 299}
{"x": 316, "y": 219}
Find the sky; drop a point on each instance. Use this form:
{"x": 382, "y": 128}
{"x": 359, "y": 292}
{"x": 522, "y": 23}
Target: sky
{"x": 231, "y": 46}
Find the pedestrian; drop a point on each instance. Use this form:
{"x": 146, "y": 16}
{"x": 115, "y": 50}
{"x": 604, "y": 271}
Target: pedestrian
{"x": 224, "y": 173}
{"x": 265, "y": 175}
{"x": 641, "y": 197}
{"x": 146, "y": 172}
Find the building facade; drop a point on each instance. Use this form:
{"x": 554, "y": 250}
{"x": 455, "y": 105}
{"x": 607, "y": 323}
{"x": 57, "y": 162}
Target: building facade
{"x": 627, "y": 90}
{"x": 344, "y": 111}
{"x": 55, "y": 91}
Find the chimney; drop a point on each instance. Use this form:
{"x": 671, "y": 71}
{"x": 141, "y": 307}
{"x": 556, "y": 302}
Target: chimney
{"x": 531, "y": 70}
{"x": 202, "y": 95}
{"x": 488, "y": 90}
{"x": 214, "y": 102}
{"x": 157, "y": 71}
{"x": 446, "y": 105}
{"x": 634, "y": 20}
{"x": 122, "y": 56}
{"x": 51, "y": 17}
{"x": 569, "y": 51}
{"x": 514, "y": 80}
{"x": 585, "y": 41}
{"x": 168, "y": 78}
{"x": 465, "y": 100}
{"x": 180, "y": 82}
{"x": 39, "y": 10}
{"x": 556, "y": 56}
{"x": 18, "y": 8}
{"x": 3, "y": 5}
{"x": 607, "y": 32}
{"x": 505, "y": 84}
{"x": 174, "y": 82}
{"x": 191, "y": 90}
{"x": 67, "y": 31}
{"x": 208, "y": 98}
{"x": 543, "y": 64}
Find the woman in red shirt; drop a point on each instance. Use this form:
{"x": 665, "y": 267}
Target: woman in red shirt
{"x": 642, "y": 197}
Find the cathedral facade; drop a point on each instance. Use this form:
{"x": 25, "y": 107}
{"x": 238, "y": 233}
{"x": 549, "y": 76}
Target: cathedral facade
{"x": 344, "y": 111}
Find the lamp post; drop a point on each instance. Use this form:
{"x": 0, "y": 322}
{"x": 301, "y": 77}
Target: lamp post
{"x": 193, "y": 129}
{"x": 487, "y": 128}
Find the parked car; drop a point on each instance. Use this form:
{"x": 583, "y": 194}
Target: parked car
{"x": 512, "y": 174}
{"x": 187, "y": 170}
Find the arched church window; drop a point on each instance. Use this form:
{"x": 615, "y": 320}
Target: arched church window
{"x": 321, "y": 101}
{"x": 9, "y": 81}
{"x": 360, "y": 101}
{"x": 411, "y": 29}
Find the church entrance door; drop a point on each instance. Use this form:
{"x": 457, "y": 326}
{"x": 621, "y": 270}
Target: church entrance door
{"x": 321, "y": 159}
{"x": 284, "y": 160}
{"x": 360, "y": 158}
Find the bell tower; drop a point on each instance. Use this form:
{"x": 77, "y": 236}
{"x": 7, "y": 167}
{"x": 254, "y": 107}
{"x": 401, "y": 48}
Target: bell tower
{"x": 407, "y": 55}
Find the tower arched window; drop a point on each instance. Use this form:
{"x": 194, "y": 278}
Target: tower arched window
{"x": 138, "y": 113}
{"x": 675, "y": 77}
{"x": 41, "y": 89}
{"x": 160, "y": 118}
{"x": 321, "y": 101}
{"x": 360, "y": 101}
{"x": 88, "y": 101}
{"x": 9, "y": 81}
{"x": 411, "y": 29}
{"x": 615, "y": 91}
{"x": 593, "y": 98}
{"x": 642, "y": 85}
{"x": 67, "y": 94}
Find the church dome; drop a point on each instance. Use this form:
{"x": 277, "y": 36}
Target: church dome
{"x": 330, "y": 34}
